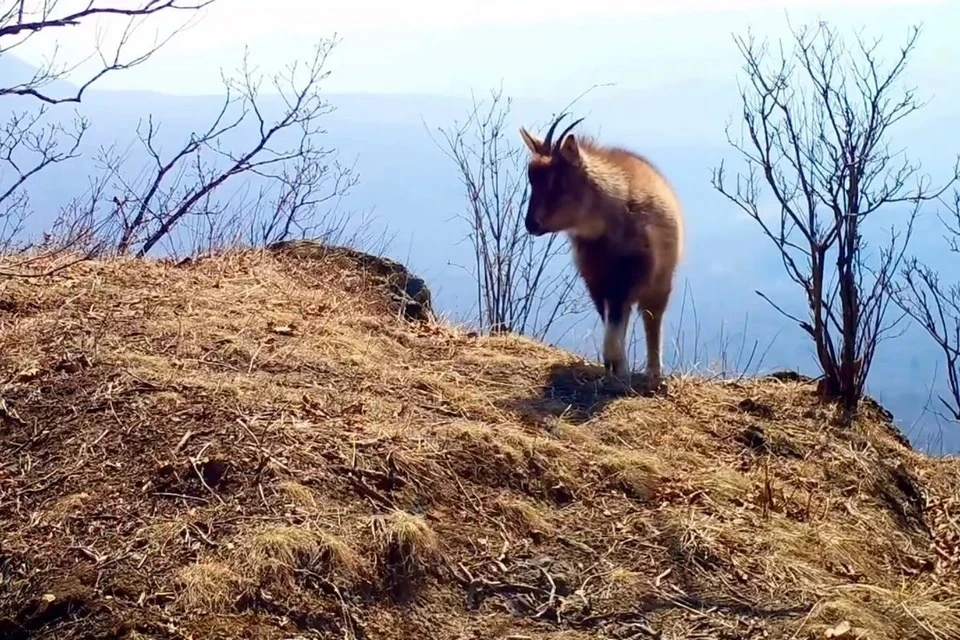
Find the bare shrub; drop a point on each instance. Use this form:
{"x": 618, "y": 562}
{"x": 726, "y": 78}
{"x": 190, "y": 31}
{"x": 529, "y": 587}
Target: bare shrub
{"x": 266, "y": 148}
{"x": 298, "y": 176}
{"x": 32, "y": 140}
{"x": 520, "y": 287}
{"x": 935, "y": 305}
{"x": 818, "y": 118}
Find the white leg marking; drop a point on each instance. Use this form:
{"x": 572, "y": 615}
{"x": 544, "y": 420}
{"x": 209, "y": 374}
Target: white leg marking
{"x": 614, "y": 343}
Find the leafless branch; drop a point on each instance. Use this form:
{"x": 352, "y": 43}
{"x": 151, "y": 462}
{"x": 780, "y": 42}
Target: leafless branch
{"x": 22, "y": 20}
{"x": 817, "y": 121}
{"x": 935, "y": 305}
{"x": 519, "y": 285}
{"x": 298, "y": 178}
{"x": 32, "y": 140}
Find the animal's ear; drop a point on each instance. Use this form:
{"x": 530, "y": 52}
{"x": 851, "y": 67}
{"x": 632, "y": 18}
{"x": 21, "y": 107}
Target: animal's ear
{"x": 533, "y": 143}
{"x": 570, "y": 150}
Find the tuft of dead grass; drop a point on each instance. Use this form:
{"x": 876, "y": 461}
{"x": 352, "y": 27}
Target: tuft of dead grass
{"x": 298, "y": 494}
{"x": 207, "y": 586}
{"x": 522, "y": 516}
{"x": 276, "y": 556}
{"x": 900, "y": 613}
{"x": 636, "y": 473}
{"x": 68, "y": 506}
{"x": 266, "y": 441}
{"x": 405, "y": 543}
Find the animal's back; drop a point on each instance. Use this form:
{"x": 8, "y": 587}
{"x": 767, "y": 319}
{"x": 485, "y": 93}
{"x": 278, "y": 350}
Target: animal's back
{"x": 654, "y": 201}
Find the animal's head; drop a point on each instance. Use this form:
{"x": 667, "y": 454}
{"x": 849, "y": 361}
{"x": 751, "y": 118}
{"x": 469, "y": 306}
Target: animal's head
{"x": 559, "y": 190}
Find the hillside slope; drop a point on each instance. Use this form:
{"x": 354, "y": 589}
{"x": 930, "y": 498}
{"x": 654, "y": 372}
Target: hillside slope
{"x": 260, "y": 446}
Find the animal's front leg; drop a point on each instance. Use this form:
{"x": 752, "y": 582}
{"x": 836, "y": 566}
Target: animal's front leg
{"x": 615, "y": 337}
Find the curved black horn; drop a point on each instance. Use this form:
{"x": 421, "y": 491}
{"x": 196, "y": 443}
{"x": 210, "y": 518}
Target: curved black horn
{"x": 548, "y": 141}
{"x": 566, "y": 131}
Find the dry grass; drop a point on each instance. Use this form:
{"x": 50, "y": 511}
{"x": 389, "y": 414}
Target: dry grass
{"x": 277, "y": 556}
{"x": 636, "y": 473}
{"x": 207, "y": 586}
{"x": 521, "y": 516}
{"x": 263, "y": 439}
{"x": 298, "y": 494}
{"x": 405, "y": 543}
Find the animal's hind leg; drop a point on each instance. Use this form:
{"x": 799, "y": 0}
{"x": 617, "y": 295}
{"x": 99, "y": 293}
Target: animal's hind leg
{"x": 652, "y": 314}
{"x": 616, "y": 321}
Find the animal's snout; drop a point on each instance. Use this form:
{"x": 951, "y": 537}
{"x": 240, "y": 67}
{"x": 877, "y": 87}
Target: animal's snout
{"x": 532, "y": 223}
{"x": 533, "y": 226}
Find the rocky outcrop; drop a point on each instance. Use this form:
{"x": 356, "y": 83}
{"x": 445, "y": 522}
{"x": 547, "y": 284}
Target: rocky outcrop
{"x": 407, "y": 293}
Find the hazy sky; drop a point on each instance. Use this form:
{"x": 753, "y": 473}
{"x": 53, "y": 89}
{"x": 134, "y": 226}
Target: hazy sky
{"x": 533, "y": 46}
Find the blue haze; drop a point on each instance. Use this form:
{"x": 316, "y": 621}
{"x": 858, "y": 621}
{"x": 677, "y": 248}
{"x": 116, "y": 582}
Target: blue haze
{"x": 414, "y": 192}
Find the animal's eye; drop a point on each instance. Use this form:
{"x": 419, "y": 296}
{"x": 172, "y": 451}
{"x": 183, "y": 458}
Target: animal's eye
{"x": 547, "y": 182}
{"x": 538, "y": 177}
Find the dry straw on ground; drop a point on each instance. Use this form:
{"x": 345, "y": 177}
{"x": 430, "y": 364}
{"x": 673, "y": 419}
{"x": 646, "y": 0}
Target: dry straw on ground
{"x": 258, "y": 446}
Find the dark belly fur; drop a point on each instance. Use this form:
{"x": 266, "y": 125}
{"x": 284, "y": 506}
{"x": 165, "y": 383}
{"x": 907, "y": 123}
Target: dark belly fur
{"x": 611, "y": 275}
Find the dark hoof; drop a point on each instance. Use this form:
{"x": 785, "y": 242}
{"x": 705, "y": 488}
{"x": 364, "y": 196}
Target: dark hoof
{"x": 616, "y": 369}
{"x": 655, "y": 384}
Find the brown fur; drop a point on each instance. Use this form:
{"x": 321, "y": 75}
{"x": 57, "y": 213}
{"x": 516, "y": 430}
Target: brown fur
{"x": 625, "y": 226}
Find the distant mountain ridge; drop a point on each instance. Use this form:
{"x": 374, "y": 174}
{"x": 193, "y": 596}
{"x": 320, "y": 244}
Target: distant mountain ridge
{"x": 413, "y": 189}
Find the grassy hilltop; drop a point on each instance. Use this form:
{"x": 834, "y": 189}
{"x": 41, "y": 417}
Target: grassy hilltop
{"x": 259, "y": 445}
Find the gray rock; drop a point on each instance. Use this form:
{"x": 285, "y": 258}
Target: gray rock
{"x": 408, "y": 293}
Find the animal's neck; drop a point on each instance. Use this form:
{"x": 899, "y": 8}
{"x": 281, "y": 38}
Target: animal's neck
{"x": 610, "y": 187}
{"x": 608, "y": 178}
{"x": 593, "y": 226}
{"x": 608, "y": 222}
